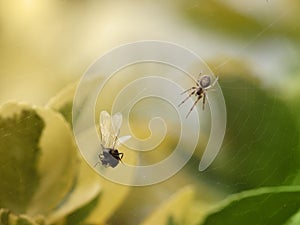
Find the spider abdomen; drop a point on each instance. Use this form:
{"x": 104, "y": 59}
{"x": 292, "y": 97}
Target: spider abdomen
{"x": 205, "y": 81}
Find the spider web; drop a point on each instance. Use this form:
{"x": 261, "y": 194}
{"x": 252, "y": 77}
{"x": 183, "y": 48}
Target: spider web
{"x": 260, "y": 147}
{"x": 261, "y": 140}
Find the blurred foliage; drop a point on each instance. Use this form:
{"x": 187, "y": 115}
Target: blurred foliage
{"x": 95, "y": 206}
{"x": 266, "y": 206}
{"x": 19, "y": 149}
{"x": 220, "y": 17}
{"x": 223, "y": 18}
{"x": 43, "y": 43}
{"x": 28, "y": 186}
{"x": 7, "y": 217}
{"x": 294, "y": 220}
{"x": 179, "y": 209}
{"x": 59, "y": 192}
{"x": 104, "y": 204}
{"x": 260, "y": 148}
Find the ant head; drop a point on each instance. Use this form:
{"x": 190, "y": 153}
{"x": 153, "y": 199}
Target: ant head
{"x": 115, "y": 153}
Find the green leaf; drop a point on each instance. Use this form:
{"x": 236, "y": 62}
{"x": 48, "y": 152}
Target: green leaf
{"x": 4, "y": 214}
{"x": 224, "y": 19}
{"x": 58, "y": 163}
{"x": 295, "y": 220}
{"x": 112, "y": 196}
{"x": 34, "y": 181}
{"x": 79, "y": 216}
{"x": 20, "y": 133}
{"x": 265, "y": 206}
{"x": 65, "y": 111}
{"x": 219, "y": 17}
{"x": 63, "y": 102}
{"x": 262, "y": 138}
{"x": 84, "y": 195}
{"x": 8, "y": 218}
{"x": 176, "y": 210}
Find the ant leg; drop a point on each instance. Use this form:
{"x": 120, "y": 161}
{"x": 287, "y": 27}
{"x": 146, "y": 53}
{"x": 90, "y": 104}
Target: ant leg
{"x": 100, "y": 157}
{"x": 96, "y": 164}
{"x": 188, "y": 90}
{"x": 199, "y": 97}
{"x": 121, "y": 157}
{"x": 187, "y": 98}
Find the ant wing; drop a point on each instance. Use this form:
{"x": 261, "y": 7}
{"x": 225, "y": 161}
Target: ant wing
{"x": 106, "y": 129}
{"x": 116, "y": 121}
{"x": 122, "y": 140}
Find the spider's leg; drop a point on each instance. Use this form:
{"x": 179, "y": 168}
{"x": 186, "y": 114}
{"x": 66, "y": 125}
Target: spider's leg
{"x": 193, "y": 92}
{"x": 200, "y": 74}
{"x": 215, "y": 81}
{"x": 199, "y": 97}
{"x": 188, "y": 90}
{"x": 203, "y": 104}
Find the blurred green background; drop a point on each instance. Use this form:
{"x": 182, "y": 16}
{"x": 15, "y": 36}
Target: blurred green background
{"x": 254, "y": 48}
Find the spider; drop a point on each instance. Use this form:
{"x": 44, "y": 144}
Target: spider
{"x": 202, "y": 85}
